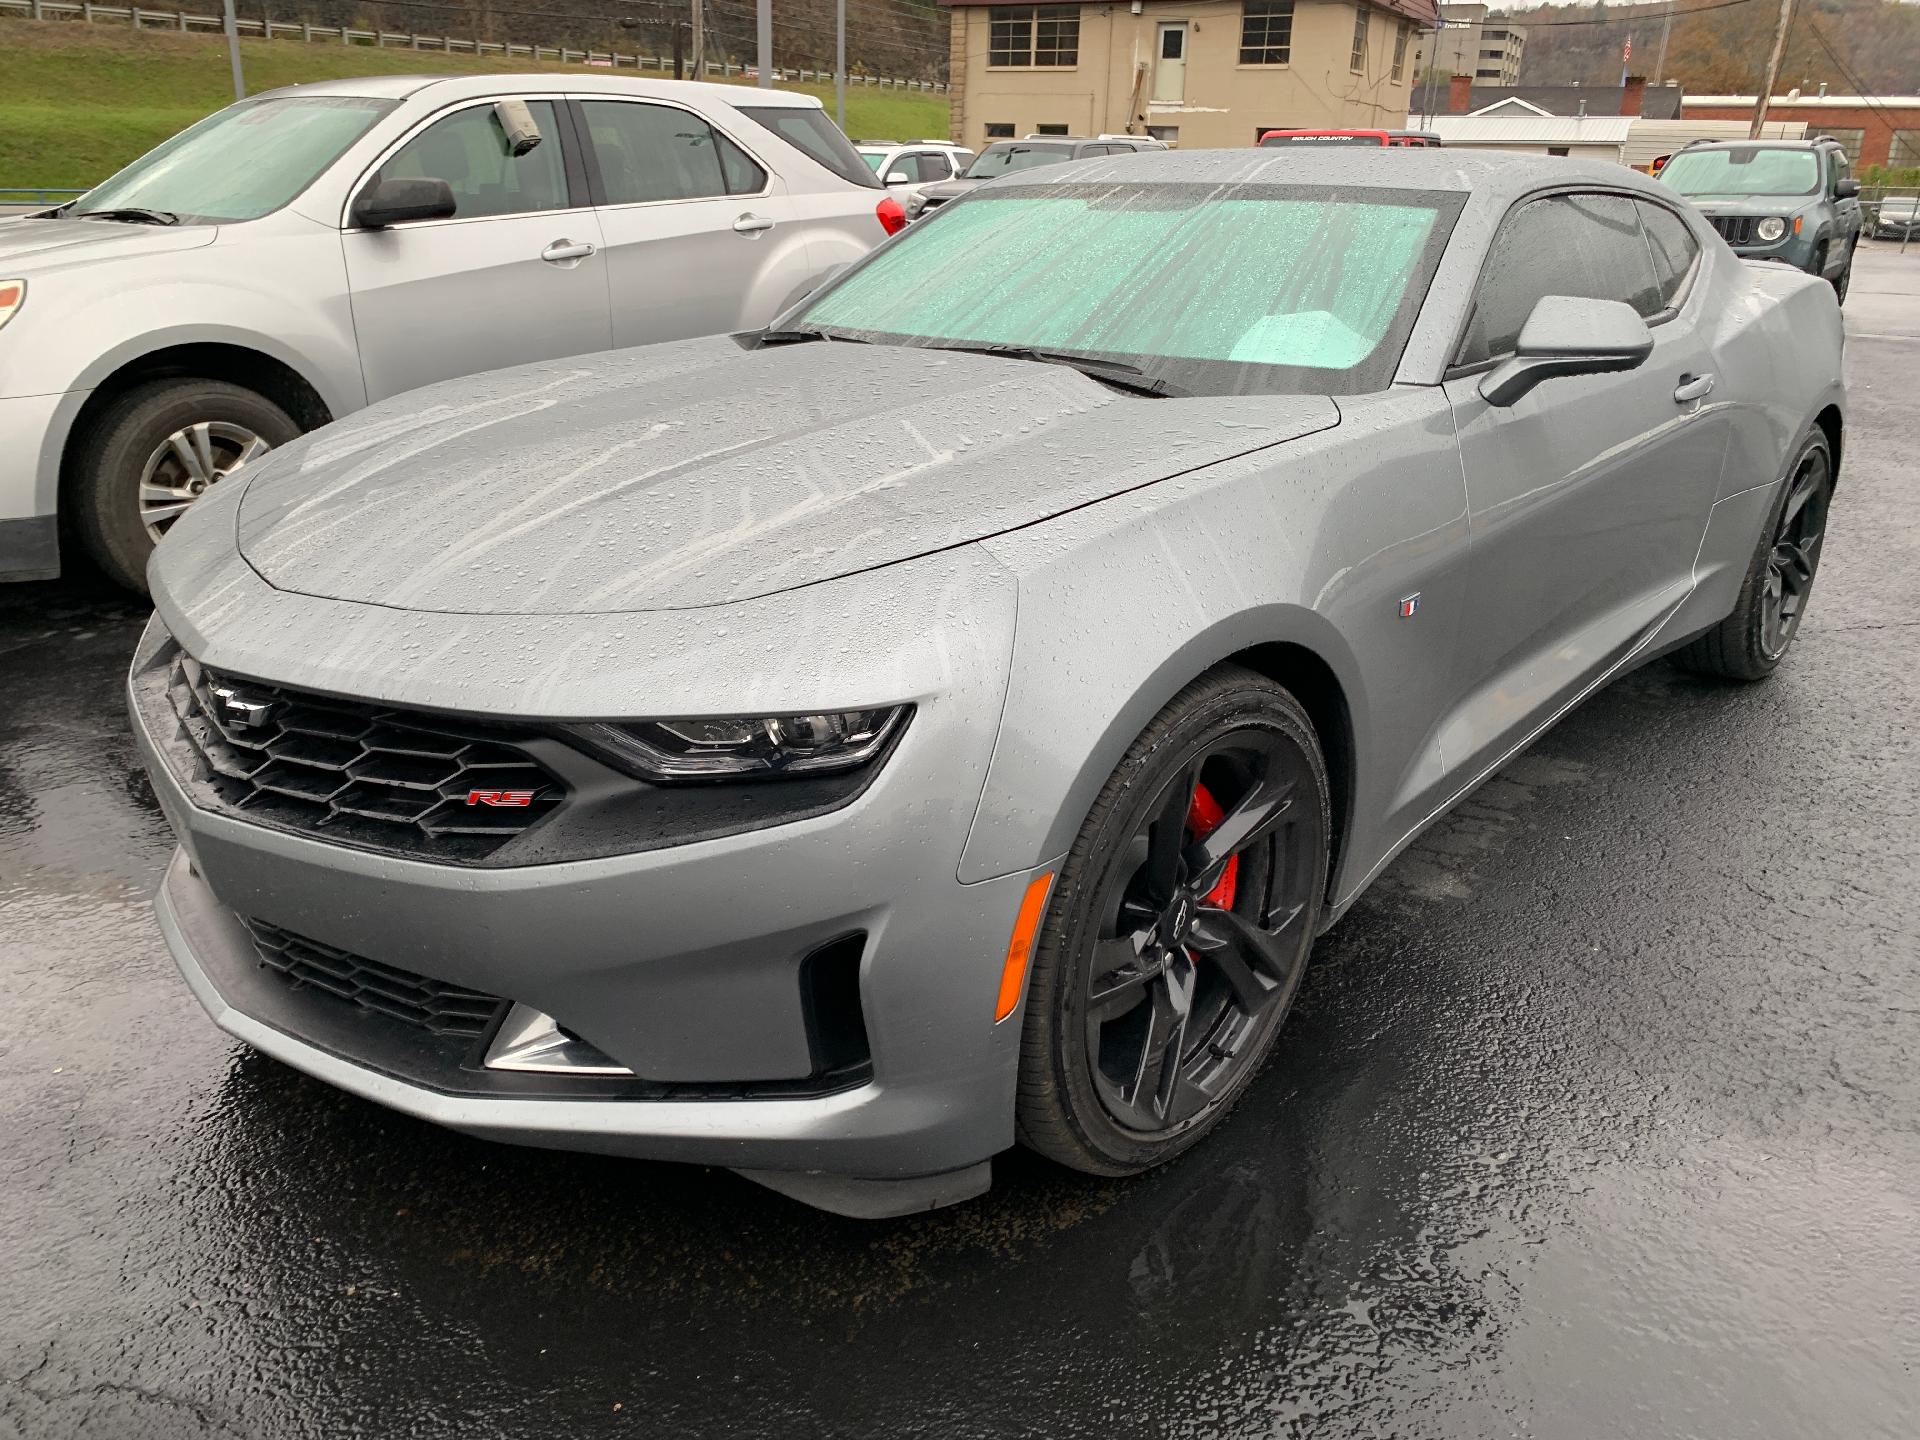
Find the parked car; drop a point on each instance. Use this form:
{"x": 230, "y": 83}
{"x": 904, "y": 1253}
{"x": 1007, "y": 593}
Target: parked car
{"x": 1393, "y": 139}
{"x": 907, "y": 168}
{"x": 641, "y": 754}
{"x": 308, "y": 251}
{"x": 1004, "y": 157}
{"x": 1897, "y": 218}
{"x": 1786, "y": 200}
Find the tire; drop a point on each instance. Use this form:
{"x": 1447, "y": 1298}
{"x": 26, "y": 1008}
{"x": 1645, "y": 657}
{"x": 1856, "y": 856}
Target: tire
{"x": 1844, "y": 279}
{"x": 1752, "y": 641}
{"x": 1236, "y": 950}
{"x": 127, "y": 439}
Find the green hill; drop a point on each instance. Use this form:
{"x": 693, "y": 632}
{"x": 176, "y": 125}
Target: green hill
{"x": 79, "y": 101}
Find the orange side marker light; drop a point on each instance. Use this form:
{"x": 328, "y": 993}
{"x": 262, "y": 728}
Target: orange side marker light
{"x": 1026, "y": 931}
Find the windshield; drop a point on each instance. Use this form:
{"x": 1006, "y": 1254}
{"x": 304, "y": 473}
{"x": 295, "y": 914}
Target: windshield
{"x": 1001, "y": 160}
{"x": 242, "y": 162}
{"x": 1212, "y": 289}
{"x": 1743, "y": 170}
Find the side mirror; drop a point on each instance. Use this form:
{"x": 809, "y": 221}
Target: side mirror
{"x": 392, "y": 201}
{"x": 897, "y": 177}
{"x": 1568, "y": 335}
{"x": 1847, "y": 189}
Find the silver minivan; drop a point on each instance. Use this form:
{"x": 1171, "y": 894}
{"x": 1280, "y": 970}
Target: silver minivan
{"x": 311, "y": 250}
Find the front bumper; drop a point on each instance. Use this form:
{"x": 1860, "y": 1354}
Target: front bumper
{"x": 680, "y": 963}
{"x": 29, "y": 538}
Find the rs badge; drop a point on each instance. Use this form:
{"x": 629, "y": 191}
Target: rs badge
{"x": 500, "y": 797}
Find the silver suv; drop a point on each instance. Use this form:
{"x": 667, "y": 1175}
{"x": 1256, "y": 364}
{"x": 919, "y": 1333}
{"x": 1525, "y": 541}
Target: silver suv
{"x": 309, "y": 251}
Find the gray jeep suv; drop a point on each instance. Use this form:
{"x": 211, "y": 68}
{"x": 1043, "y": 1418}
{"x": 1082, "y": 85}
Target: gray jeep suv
{"x": 1787, "y": 200}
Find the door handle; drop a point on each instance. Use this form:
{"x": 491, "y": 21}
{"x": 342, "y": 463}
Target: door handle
{"x": 1693, "y": 387}
{"x": 751, "y": 224}
{"x": 561, "y": 251}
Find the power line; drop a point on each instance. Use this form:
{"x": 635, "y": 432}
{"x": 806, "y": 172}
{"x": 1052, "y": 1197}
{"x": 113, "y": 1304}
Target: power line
{"x": 1852, "y": 78}
{"x": 1650, "y": 14}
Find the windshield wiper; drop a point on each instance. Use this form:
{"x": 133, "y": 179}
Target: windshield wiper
{"x": 132, "y": 215}
{"x": 798, "y": 336}
{"x": 1117, "y": 373}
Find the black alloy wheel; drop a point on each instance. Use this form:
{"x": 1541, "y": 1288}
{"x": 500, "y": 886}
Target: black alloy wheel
{"x": 1752, "y": 641}
{"x": 1180, "y": 929}
{"x": 1796, "y": 553}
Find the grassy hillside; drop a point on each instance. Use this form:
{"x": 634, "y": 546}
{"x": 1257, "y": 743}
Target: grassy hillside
{"x": 79, "y": 101}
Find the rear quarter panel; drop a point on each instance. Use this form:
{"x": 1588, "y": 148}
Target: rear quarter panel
{"x": 1779, "y": 347}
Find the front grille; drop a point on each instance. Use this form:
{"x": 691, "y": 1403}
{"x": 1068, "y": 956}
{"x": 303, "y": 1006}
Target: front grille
{"x": 1735, "y": 229}
{"x": 400, "y": 781}
{"x": 431, "y": 1005}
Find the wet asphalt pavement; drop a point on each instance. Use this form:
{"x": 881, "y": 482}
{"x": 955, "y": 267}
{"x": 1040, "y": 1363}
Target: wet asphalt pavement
{"x": 1599, "y": 1116}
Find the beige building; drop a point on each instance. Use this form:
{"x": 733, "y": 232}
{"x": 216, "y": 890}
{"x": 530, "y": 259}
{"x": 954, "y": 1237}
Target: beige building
{"x": 1474, "y": 41}
{"x": 1202, "y": 75}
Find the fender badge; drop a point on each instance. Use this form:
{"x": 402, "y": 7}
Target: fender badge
{"x": 1409, "y": 604}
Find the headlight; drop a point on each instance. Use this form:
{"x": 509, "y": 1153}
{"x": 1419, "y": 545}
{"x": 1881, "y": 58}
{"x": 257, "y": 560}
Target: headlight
{"x": 754, "y": 748}
{"x": 13, "y": 294}
{"x": 1770, "y": 229}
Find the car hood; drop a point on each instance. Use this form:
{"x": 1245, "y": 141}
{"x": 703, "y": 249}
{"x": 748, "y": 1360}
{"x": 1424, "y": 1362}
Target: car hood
{"x": 950, "y": 189}
{"x": 698, "y": 473}
{"x": 29, "y": 246}
{"x": 1756, "y": 205}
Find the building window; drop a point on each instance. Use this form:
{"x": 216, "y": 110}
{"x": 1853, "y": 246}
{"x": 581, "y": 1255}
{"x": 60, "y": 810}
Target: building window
{"x": 1359, "y": 60}
{"x": 1165, "y": 134}
{"x": 1033, "y": 35}
{"x": 1050, "y": 130}
{"x": 1266, "y": 32}
{"x": 1400, "y": 38}
{"x": 1556, "y": 149}
{"x": 997, "y": 130}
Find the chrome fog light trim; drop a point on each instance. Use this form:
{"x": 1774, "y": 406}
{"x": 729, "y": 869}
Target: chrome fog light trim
{"x": 531, "y": 1041}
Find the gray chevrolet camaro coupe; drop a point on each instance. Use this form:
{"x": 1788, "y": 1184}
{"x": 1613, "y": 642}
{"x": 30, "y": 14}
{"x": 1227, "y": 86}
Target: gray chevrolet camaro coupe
{"x": 946, "y": 718}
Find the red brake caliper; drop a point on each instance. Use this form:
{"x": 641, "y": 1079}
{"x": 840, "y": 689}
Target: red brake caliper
{"x": 1204, "y": 814}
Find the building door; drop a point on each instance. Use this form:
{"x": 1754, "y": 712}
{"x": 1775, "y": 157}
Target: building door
{"x": 1170, "y": 71}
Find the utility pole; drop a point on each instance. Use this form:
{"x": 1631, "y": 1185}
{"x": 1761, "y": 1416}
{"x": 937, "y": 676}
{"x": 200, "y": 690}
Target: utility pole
{"x": 233, "y": 50}
{"x": 840, "y": 61}
{"x": 699, "y": 45}
{"x": 765, "y": 39}
{"x": 1666, "y": 30}
{"x": 1761, "y": 100}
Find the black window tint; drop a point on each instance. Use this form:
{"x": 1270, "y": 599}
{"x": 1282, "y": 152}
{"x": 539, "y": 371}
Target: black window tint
{"x": 934, "y": 166}
{"x": 469, "y": 151}
{"x": 1585, "y": 245}
{"x": 809, "y": 130}
{"x": 652, "y": 152}
{"x": 1673, "y": 247}
{"x": 1613, "y": 252}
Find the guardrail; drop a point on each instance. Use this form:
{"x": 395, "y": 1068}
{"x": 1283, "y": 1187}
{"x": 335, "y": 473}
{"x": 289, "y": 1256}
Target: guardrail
{"x": 139, "y": 18}
{"x": 1891, "y": 213}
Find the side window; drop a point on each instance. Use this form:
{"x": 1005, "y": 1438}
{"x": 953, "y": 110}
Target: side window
{"x": 935, "y": 166}
{"x": 742, "y": 174}
{"x": 1675, "y": 251}
{"x": 1586, "y": 245}
{"x": 469, "y": 151}
{"x": 909, "y": 164}
{"x": 653, "y": 152}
